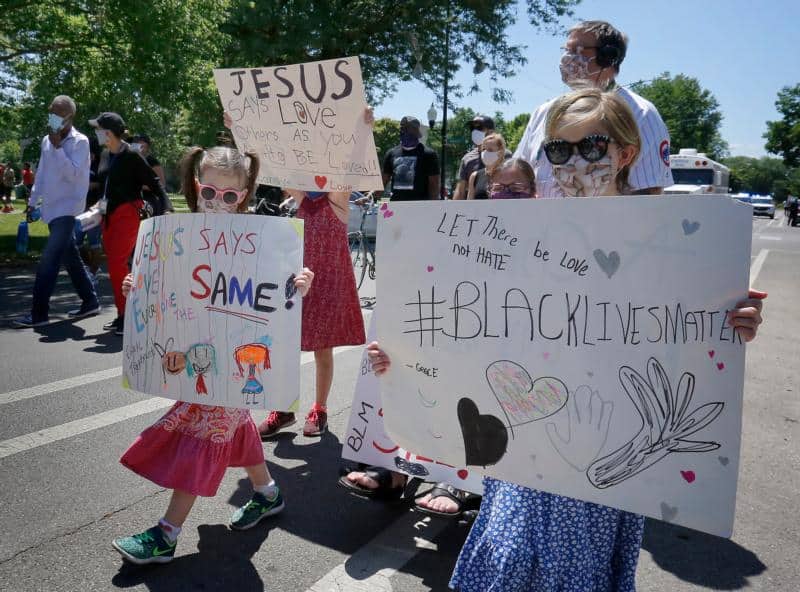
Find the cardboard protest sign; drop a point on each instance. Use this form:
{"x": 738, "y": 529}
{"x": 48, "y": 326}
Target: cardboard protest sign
{"x": 214, "y": 316}
{"x": 306, "y": 123}
{"x": 367, "y": 442}
{"x": 575, "y": 346}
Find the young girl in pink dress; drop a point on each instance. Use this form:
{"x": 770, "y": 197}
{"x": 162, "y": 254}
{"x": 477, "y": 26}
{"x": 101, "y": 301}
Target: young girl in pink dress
{"x": 189, "y": 448}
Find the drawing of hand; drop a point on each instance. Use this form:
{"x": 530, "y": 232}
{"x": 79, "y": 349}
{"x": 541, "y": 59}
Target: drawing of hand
{"x": 586, "y": 425}
{"x": 666, "y": 423}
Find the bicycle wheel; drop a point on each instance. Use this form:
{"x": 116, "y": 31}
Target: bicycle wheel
{"x": 358, "y": 254}
{"x": 371, "y": 270}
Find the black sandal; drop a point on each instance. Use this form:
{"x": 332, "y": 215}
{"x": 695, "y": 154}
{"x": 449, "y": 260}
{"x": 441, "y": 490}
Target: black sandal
{"x": 384, "y": 491}
{"x": 465, "y": 500}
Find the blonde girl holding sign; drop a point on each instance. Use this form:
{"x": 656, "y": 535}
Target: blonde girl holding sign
{"x": 529, "y": 540}
{"x": 191, "y": 446}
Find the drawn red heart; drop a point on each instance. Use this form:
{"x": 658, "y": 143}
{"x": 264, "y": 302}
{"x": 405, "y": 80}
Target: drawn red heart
{"x": 688, "y": 475}
{"x": 711, "y": 353}
{"x": 380, "y": 412}
{"x": 430, "y": 268}
{"x": 720, "y": 366}
{"x": 463, "y": 474}
{"x": 320, "y": 180}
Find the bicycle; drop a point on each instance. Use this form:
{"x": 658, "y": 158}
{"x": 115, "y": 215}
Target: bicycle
{"x": 362, "y": 252}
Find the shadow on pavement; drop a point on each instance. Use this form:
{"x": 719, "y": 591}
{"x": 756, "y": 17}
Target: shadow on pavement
{"x": 699, "y": 558}
{"x": 223, "y": 562}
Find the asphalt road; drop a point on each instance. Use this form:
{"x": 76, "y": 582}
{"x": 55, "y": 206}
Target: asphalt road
{"x": 65, "y": 496}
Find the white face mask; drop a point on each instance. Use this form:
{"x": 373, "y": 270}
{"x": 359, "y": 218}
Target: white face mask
{"x": 102, "y": 136}
{"x": 580, "y": 178}
{"x": 136, "y": 147}
{"x": 478, "y": 136}
{"x": 574, "y": 69}
{"x": 489, "y": 157}
{"x": 55, "y": 122}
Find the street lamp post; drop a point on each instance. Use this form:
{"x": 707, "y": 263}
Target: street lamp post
{"x": 444, "y": 106}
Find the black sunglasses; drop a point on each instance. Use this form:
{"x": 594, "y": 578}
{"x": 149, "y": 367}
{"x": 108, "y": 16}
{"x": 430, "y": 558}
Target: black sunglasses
{"x": 592, "y": 148}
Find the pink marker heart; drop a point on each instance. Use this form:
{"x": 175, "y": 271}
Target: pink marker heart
{"x": 463, "y": 474}
{"x": 720, "y": 366}
{"x": 546, "y": 355}
{"x": 711, "y": 353}
{"x": 384, "y": 206}
{"x": 388, "y": 214}
{"x": 380, "y": 412}
{"x": 688, "y": 475}
{"x": 430, "y": 268}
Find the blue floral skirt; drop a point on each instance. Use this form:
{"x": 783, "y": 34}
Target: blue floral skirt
{"x": 528, "y": 540}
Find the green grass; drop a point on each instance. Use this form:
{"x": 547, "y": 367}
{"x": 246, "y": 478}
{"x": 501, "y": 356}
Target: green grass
{"x": 38, "y": 233}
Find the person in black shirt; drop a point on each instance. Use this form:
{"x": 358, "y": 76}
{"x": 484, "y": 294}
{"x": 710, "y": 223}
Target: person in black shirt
{"x": 122, "y": 174}
{"x": 412, "y": 167}
{"x": 141, "y": 144}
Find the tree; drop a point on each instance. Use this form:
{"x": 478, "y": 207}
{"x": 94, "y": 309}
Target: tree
{"x": 690, "y": 112}
{"x": 763, "y": 176}
{"x": 514, "y": 130}
{"x": 387, "y": 135}
{"x": 783, "y": 136}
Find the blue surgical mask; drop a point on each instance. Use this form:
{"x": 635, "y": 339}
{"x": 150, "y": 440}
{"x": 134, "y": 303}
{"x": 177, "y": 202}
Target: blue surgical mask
{"x": 102, "y": 136}
{"x": 136, "y": 147}
{"x": 315, "y": 194}
{"x": 55, "y": 122}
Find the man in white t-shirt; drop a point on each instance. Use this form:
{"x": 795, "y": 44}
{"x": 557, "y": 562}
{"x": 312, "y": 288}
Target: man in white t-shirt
{"x": 592, "y": 55}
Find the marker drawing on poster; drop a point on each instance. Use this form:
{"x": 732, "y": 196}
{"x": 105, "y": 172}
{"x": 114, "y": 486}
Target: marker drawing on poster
{"x": 580, "y": 346}
{"x": 211, "y": 317}
{"x": 306, "y": 123}
{"x": 367, "y": 442}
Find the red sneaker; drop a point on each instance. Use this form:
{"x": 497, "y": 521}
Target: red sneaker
{"x": 275, "y": 422}
{"x": 316, "y": 422}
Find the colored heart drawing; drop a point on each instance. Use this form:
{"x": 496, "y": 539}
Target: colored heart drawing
{"x": 711, "y": 353}
{"x": 689, "y": 476}
{"x": 590, "y": 374}
{"x": 608, "y": 263}
{"x": 320, "y": 181}
{"x": 430, "y": 268}
{"x": 384, "y": 206}
{"x": 388, "y": 214}
{"x": 380, "y": 412}
{"x": 720, "y": 366}
{"x": 546, "y": 355}
{"x": 522, "y": 399}
{"x": 668, "y": 513}
{"x": 463, "y": 474}
{"x": 485, "y": 436}
{"x": 689, "y": 227}
{"x": 539, "y": 476}
{"x": 723, "y": 460}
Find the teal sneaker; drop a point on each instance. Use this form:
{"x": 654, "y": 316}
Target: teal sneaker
{"x": 254, "y": 511}
{"x": 150, "y": 546}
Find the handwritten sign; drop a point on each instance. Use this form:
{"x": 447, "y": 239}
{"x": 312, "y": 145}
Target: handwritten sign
{"x": 213, "y": 316}
{"x": 576, "y": 346}
{"x": 306, "y": 123}
{"x": 368, "y": 443}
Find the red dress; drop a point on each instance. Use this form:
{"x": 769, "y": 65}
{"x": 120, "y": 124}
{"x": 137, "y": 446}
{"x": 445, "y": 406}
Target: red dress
{"x": 331, "y": 309}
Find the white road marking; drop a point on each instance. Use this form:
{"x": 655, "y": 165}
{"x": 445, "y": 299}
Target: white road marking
{"x": 59, "y": 385}
{"x": 370, "y": 568}
{"x": 771, "y": 238}
{"x": 755, "y": 266}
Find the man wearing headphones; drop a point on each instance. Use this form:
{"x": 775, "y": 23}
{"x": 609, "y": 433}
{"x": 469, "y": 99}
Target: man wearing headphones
{"x": 592, "y": 56}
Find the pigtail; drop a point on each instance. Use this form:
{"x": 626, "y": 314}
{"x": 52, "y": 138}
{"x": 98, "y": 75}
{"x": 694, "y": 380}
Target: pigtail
{"x": 252, "y": 176}
{"x": 190, "y": 165}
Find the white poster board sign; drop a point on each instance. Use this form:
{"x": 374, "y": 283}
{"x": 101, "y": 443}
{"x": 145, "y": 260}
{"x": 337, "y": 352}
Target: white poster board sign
{"x": 213, "y": 316}
{"x": 576, "y": 346}
{"x": 367, "y": 442}
{"x": 306, "y": 123}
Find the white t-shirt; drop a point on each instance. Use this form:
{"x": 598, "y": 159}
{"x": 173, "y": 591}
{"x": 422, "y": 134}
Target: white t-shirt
{"x": 651, "y": 169}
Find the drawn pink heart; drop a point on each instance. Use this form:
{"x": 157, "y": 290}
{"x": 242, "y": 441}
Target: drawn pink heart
{"x": 711, "y": 353}
{"x": 546, "y": 355}
{"x": 688, "y": 475}
{"x": 384, "y": 206}
{"x": 463, "y": 474}
{"x": 430, "y": 268}
{"x": 320, "y": 180}
{"x": 388, "y": 214}
{"x": 720, "y": 366}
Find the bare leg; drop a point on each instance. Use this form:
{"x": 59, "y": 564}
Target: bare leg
{"x": 259, "y": 475}
{"x": 323, "y": 359}
{"x": 179, "y": 507}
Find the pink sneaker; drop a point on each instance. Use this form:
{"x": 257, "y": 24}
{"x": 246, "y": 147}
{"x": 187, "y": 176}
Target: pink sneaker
{"x": 275, "y": 422}
{"x": 316, "y": 422}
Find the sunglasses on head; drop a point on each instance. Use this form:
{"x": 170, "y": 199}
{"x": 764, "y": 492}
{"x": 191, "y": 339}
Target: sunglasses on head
{"x": 591, "y": 148}
{"x": 229, "y": 196}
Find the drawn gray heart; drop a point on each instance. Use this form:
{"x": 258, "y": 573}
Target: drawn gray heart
{"x": 590, "y": 374}
{"x": 668, "y": 513}
{"x": 608, "y": 263}
{"x": 689, "y": 227}
{"x": 539, "y": 476}
{"x": 533, "y": 457}
{"x": 724, "y": 460}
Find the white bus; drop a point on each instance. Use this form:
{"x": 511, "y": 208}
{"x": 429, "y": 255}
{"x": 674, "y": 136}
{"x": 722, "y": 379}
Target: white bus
{"x": 694, "y": 172}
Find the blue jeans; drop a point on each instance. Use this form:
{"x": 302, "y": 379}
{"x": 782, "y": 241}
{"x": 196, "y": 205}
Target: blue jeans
{"x": 60, "y": 248}
{"x": 94, "y": 235}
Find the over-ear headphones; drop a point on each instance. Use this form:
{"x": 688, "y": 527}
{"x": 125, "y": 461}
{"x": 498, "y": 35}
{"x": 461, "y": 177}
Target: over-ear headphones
{"x": 608, "y": 54}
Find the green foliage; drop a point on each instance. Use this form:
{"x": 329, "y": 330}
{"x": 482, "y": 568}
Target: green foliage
{"x": 764, "y": 176}
{"x": 513, "y": 130}
{"x": 387, "y": 135}
{"x": 690, "y": 112}
{"x": 783, "y": 136}
{"x": 10, "y": 152}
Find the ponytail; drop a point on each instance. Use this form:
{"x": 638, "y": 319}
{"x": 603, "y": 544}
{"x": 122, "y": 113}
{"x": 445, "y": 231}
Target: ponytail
{"x": 190, "y": 165}
{"x": 252, "y": 176}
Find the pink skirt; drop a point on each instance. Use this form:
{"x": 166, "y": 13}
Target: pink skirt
{"x": 190, "y": 447}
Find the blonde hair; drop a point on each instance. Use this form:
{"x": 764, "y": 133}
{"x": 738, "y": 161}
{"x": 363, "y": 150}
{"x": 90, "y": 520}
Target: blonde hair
{"x": 495, "y": 138}
{"x": 198, "y": 159}
{"x": 604, "y": 107}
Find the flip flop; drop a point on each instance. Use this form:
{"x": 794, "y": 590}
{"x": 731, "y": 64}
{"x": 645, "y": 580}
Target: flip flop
{"x": 464, "y": 500}
{"x": 384, "y": 491}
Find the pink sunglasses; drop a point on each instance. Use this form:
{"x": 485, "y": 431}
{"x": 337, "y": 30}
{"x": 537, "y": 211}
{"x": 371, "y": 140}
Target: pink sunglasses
{"x": 229, "y": 196}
